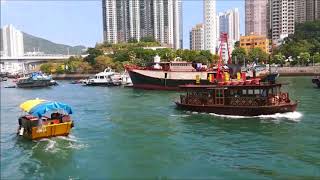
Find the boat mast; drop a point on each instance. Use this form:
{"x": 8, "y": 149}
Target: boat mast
{"x": 223, "y": 40}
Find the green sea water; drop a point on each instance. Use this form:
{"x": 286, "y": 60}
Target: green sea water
{"x": 125, "y": 133}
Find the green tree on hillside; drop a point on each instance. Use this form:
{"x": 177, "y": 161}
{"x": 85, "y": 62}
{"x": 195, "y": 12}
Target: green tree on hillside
{"x": 279, "y": 58}
{"x": 93, "y": 53}
{"x": 239, "y": 54}
{"x": 304, "y": 58}
{"x": 257, "y": 54}
{"x": 147, "y": 39}
{"x": 305, "y": 39}
{"x": 103, "y": 62}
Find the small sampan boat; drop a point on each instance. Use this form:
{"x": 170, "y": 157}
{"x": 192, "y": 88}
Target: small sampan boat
{"x": 36, "y": 125}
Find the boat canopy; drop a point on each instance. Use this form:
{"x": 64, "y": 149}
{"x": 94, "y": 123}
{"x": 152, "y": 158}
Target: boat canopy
{"x": 39, "y": 107}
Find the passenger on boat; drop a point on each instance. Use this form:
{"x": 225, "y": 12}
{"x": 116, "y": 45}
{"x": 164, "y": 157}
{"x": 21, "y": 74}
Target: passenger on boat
{"x": 56, "y": 118}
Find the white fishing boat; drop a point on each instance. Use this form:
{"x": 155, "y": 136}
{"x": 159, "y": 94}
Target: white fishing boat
{"x": 101, "y": 79}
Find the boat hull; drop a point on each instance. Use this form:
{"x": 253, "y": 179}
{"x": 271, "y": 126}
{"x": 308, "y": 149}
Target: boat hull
{"x": 102, "y": 84}
{"x": 154, "y": 80}
{"x": 316, "y": 81}
{"x": 238, "y": 110}
{"x": 143, "y": 81}
{"x": 35, "y": 83}
{"x": 47, "y": 131}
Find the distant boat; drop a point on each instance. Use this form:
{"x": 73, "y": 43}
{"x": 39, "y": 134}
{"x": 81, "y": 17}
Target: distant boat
{"x": 3, "y": 79}
{"x": 316, "y": 80}
{"x": 36, "y": 79}
{"x": 101, "y": 79}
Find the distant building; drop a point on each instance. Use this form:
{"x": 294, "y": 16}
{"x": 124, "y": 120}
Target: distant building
{"x": 12, "y": 42}
{"x": 254, "y": 41}
{"x": 211, "y": 32}
{"x": 281, "y": 19}
{"x": 229, "y": 22}
{"x": 125, "y": 20}
{"x": 307, "y": 10}
{"x": 197, "y": 37}
{"x": 256, "y": 17}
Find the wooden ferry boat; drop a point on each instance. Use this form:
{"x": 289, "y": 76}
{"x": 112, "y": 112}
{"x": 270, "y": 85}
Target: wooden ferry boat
{"x": 36, "y": 125}
{"x": 240, "y": 96}
{"x": 244, "y": 98}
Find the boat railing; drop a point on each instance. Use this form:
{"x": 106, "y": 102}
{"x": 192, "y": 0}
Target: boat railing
{"x": 235, "y": 101}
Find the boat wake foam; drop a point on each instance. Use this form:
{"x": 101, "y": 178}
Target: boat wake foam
{"x": 179, "y": 115}
{"x": 292, "y": 116}
{"x": 53, "y": 143}
{"x": 68, "y": 138}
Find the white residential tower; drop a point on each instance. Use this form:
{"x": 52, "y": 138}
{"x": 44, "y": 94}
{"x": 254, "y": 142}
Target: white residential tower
{"x": 210, "y": 26}
{"x": 12, "y": 42}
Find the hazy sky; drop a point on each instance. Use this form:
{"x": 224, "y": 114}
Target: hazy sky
{"x": 79, "y": 22}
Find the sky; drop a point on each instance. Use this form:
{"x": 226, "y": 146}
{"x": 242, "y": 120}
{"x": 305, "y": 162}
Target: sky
{"x": 79, "y": 22}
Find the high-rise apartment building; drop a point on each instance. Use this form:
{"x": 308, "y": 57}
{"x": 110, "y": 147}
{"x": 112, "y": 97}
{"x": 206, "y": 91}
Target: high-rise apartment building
{"x": 229, "y": 22}
{"x": 281, "y": 19}
{"x": 256, "y": 17}
{"x": 12, "y": 42}
{"x": 134, "y": 19}
{"x": 110, "y": 21}
{"x": 210, "y": 26}
{"x": 307, "y": 10}
{"x": 197, "y": 37}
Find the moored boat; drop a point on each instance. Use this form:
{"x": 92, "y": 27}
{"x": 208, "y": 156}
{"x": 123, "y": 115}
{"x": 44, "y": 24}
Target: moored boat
{"x": 36, "y": 79}
{"x": 36, "y": 124}
{"x": 101, "y": 79}
{"x": 170, "y": 75}
{"x": 316, "y": 80}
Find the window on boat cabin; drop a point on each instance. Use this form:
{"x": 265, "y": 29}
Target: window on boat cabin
{"x": 250, "y": 91}
{"x": 264, "y": 92}
{"x": 275, "y": 90}
{"x": 96, "y": 77}
{"x": 231, "y": 92}
{"x": 244, "y": 92}
{"x": 101, "y": 77}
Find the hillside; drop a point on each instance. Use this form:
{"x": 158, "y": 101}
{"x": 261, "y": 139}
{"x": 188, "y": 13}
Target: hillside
{"x": 48, "y": 47}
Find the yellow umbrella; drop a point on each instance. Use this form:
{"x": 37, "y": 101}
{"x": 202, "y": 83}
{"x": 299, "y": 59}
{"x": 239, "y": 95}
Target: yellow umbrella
{"x": 28, "y": 105}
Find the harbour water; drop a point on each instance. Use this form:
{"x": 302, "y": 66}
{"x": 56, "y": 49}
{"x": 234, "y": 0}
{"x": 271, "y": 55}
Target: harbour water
{"x": 123, "y": 132}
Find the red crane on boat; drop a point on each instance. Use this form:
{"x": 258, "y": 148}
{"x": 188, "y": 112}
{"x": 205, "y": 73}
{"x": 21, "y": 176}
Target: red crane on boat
{"x": 223, "y": 40}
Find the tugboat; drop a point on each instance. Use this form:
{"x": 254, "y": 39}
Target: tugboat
{"x": 36, "y": 125}
{"x": 316, "y": 80}
{"x": 36, "y": 79}
{"x": 240, "y": 96}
